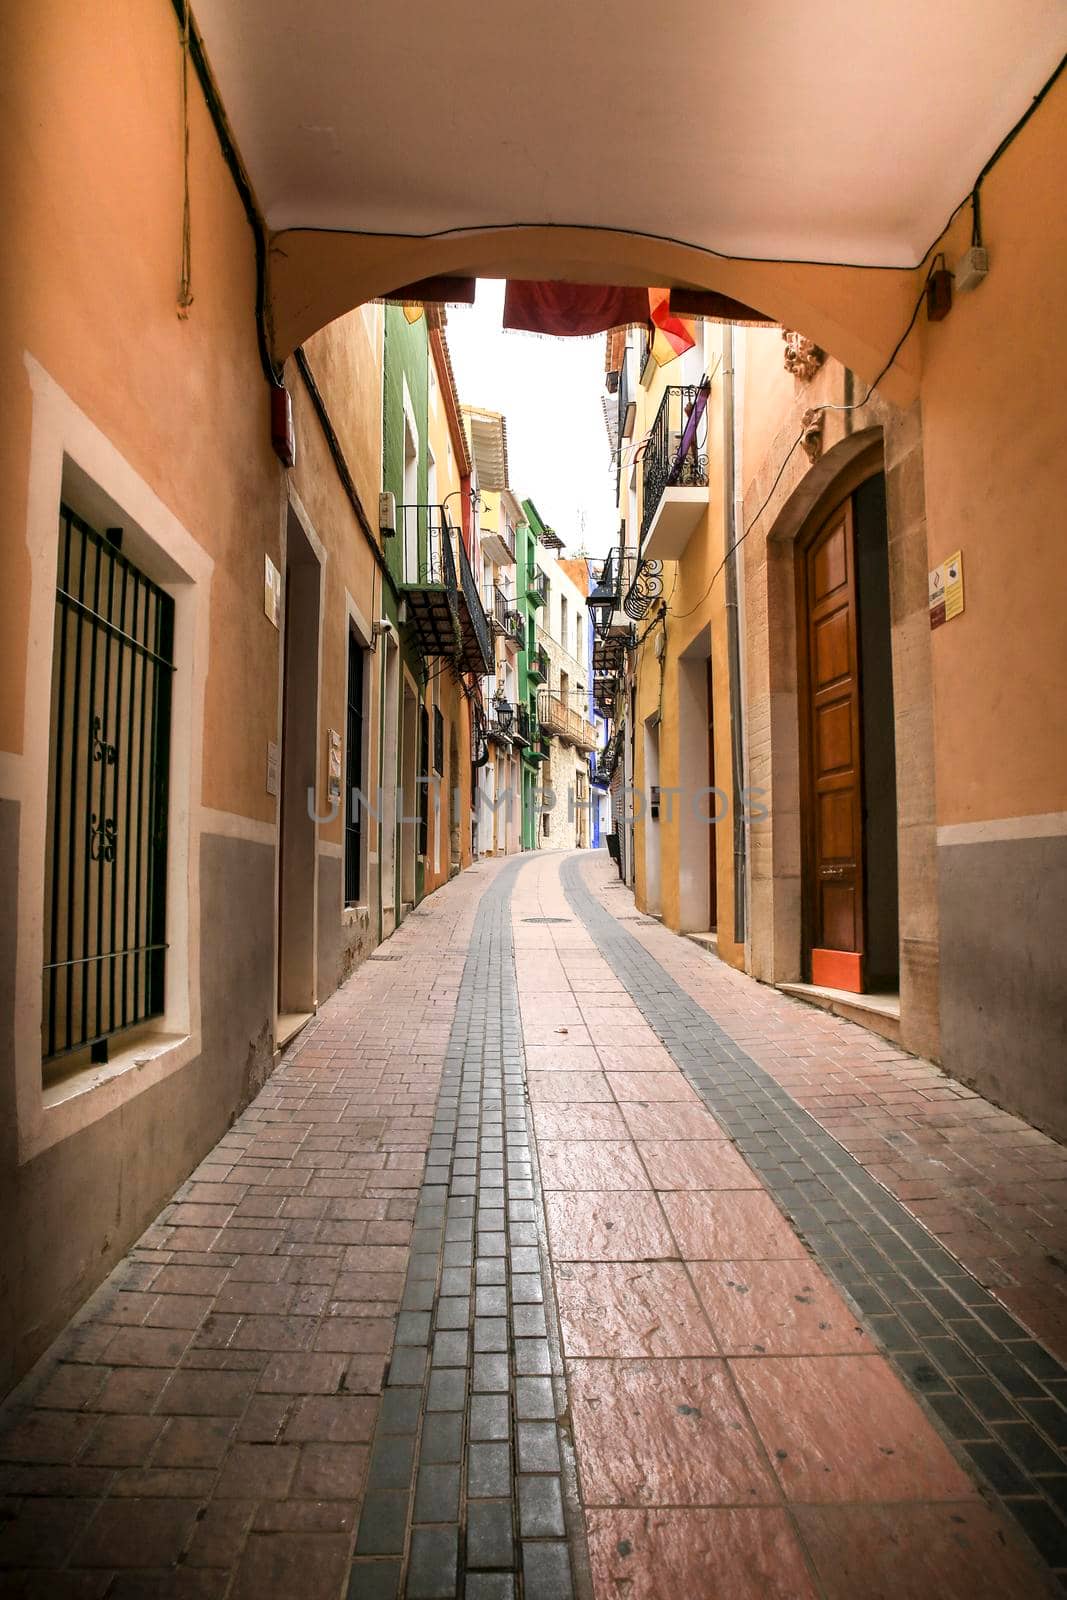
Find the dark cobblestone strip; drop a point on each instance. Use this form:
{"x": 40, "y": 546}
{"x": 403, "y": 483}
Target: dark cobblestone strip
{"x": 994, "y": 1390}
{"x": 470, "y": 1488}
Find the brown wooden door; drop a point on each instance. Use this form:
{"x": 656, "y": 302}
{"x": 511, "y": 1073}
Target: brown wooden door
{"x": 713, "y": 811}
{"x": 833, "y": 804}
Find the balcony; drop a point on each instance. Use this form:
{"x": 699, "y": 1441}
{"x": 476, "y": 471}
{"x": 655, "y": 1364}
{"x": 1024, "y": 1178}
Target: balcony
{"x": 441, "y": 604}
{"x": 612, "y": 628}
{"x": 506, "y": 622}
{"x": 674, "y": 465}
{"x": 498, "y": 543}
{"x": 429, "y": 588}
{"x": 498, "y": 607}
{"x": 607, "y": 760}
{"x": 526, "y": 730}
{"x": 537, "y": 588}
{"x": 537, "y": 667}
{"x": 605, "y": 694}
{"x": 476, "y": 640}
{"x": 564, "y": 722}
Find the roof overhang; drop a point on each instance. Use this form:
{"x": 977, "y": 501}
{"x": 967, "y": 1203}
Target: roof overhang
{"x": 835, "y": 133}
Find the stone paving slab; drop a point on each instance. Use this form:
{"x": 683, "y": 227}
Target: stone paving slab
{"x": 990, "y": 1387}
{"x": 990, "y": 1187}
{"x": 205, "y": 1427}
{"x": 502, "y": 1210}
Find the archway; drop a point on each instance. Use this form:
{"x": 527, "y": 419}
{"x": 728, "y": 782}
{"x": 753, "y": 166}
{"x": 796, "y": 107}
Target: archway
{"x": 857, "y": 315}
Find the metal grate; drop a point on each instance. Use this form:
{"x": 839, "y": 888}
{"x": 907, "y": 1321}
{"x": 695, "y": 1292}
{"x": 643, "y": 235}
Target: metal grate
{"x": 105, "y": 878}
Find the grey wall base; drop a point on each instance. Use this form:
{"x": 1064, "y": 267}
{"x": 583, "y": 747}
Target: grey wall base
{"x": 1003, "y": 910}
{"x": 71, "y": 1213}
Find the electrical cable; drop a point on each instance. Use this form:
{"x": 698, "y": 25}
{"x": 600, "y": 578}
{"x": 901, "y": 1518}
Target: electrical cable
{"x": 854, "y": 405}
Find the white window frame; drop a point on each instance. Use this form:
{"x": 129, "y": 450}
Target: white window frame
{"x": 73, "y": 461}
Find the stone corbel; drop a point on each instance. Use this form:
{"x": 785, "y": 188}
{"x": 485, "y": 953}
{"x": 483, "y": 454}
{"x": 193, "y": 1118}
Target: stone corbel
{"x": 811, "y": 434}
{"x": 803, "y": 358}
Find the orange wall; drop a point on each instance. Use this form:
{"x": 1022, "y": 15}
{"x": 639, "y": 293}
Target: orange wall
{"x": 994, "y": 430}
{"x": 90, "y": 292}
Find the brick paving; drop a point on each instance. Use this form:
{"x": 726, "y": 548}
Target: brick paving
{"x": 480, "y": 1226}
{"x": 466, "y": 1492}
{"x": 994, "y": 1390}
{"x": 988, "y": 1185}
{"x": 203, "y": 1429}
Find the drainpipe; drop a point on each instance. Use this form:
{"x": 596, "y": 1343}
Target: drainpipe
{"x": 733, "y": 637}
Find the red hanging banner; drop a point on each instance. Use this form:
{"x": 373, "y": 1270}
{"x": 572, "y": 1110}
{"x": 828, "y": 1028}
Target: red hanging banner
{"x": 571, "y": 310}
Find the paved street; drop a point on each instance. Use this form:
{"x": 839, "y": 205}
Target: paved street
{"x": 558, "y": 1259}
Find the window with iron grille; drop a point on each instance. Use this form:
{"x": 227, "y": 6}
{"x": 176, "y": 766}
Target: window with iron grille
{"x": 354, "y": 774}
{"x": 424, "y": 787}
{"x": 109, "y": 765}
{"x": 438, "y": 742}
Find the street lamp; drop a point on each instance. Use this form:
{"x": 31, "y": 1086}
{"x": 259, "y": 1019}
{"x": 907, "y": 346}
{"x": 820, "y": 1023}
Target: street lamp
{"x": 601, "y": 603}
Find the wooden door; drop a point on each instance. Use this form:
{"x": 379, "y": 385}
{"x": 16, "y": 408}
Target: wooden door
{"x": 832, "y": 794}
{"x": 713, "y": 811}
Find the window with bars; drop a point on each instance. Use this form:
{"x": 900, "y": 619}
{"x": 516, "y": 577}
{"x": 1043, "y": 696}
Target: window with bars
{"x": 109, "y": 765}
{"x": 438, "y": 742}
{"x": 354, "y": 774}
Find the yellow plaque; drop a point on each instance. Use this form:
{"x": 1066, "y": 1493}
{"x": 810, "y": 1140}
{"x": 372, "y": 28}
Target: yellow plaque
{"x": 954, "y": 586}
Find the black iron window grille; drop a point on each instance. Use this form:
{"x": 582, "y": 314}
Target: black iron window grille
{"x": 106, "y": 866}
{"x": 354, "y": 774}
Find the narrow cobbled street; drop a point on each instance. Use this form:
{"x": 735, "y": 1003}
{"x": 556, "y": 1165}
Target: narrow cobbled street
{"x": 559, "y": 1259}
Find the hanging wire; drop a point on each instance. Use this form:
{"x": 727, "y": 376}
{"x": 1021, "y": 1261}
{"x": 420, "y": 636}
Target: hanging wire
{"x": 854, "y": 405}
{"x": 185, "y": 276}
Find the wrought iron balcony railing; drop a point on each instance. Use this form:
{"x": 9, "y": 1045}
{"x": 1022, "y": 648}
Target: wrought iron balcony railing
{"x": 429, "y": 583}
{"x": 537, "y": 587}
{"x": 498, "y": 606}
{"x": 608, "y": 759}
{"x": 444, "y": 608}
{"x": 538, "y": 664}
{"x": 526, "y": 726}
{"x": 674, "y": 455}
{"x": 476, "y": 646}
{"x": 567, "y": 724}
{"x": 518, "y": 630}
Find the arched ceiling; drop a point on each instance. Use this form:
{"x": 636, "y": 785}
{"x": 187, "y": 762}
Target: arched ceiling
{"x": 842, "y": 131}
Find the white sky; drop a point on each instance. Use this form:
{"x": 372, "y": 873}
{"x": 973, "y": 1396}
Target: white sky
{"x": 550, "y": 391}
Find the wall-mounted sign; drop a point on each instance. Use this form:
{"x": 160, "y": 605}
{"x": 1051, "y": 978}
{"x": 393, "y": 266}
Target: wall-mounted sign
{"x": 272, "y": 592}
{"x": 946, "y": 590}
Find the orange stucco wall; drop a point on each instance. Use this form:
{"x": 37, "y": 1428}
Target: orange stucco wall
{"x": 994, "y": 426}
{"x": 90, "y": 292}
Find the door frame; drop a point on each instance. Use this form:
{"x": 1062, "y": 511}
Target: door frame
{"x": 296, "y": 908}
{"x": 845, "y": 489}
